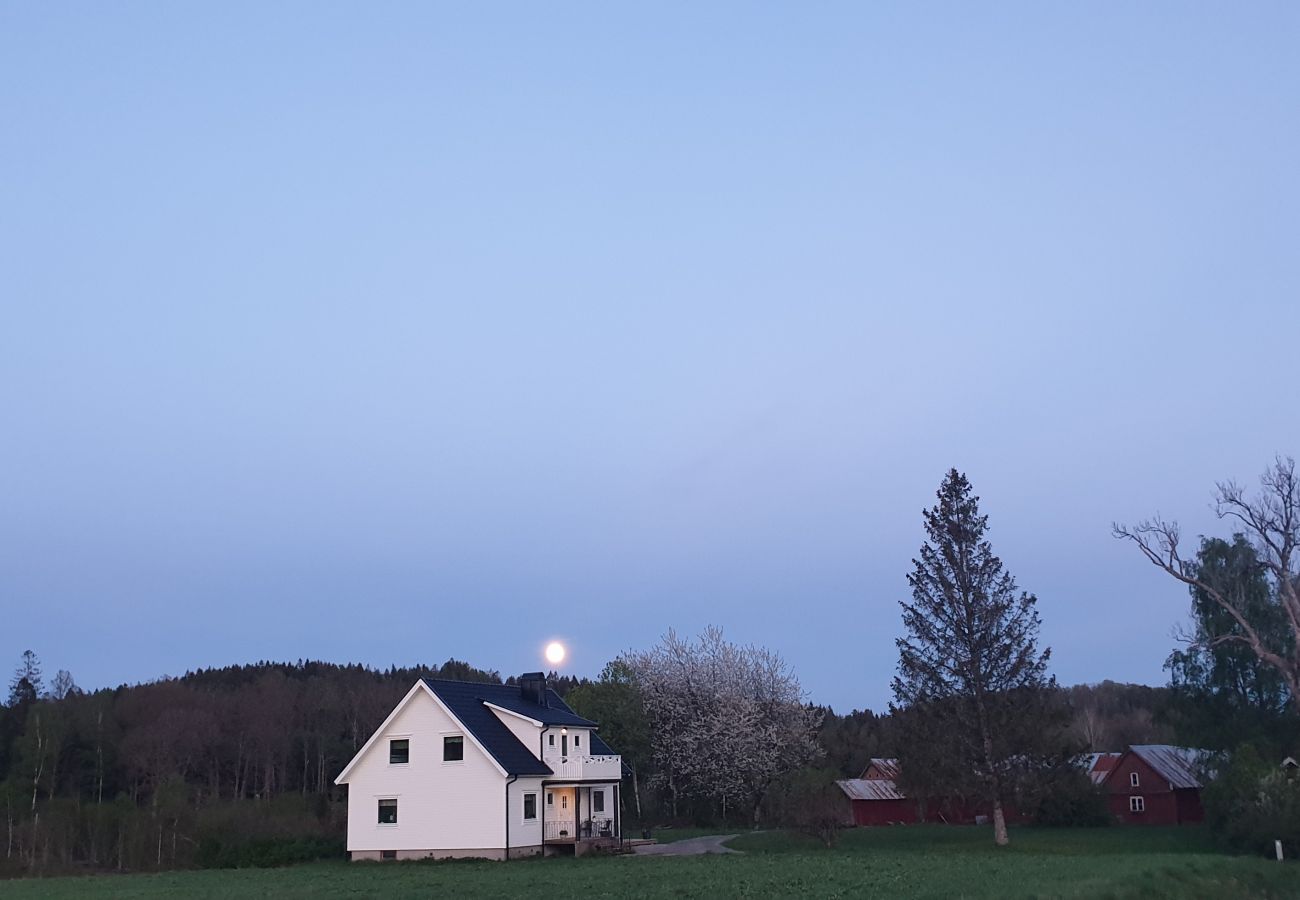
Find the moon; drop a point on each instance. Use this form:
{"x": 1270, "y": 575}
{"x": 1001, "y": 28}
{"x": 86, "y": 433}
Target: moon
{"x": 555, "y": 653}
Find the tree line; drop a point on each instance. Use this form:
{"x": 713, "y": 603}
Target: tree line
{"x": 226, "y": 765}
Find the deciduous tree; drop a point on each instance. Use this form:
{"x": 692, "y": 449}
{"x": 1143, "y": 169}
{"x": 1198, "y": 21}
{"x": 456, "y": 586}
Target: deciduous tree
{"x": 725, "y": 720}
{"x": 1270, "y": 521}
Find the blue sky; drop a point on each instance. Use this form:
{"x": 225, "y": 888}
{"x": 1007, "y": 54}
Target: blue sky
{"x": 395, "y": 332}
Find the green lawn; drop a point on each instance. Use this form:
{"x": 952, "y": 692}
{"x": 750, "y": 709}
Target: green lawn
{"x": 884, "y": 862}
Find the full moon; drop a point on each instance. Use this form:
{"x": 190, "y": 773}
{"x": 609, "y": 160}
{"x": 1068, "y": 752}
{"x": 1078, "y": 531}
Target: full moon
{"x": 555, "y": 653}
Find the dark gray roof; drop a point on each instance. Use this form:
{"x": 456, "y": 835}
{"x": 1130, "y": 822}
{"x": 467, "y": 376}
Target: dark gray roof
{"x": 466, "y": 701}
{"x": 1182, "y": 767}
{"x": 557, "y": 712}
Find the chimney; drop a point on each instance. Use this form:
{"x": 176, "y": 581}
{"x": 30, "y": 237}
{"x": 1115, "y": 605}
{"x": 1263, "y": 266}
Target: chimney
{"x": 532, "y": 687}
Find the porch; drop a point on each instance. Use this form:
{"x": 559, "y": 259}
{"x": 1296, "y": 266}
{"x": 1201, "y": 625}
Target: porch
{"x": 581, "y": 815}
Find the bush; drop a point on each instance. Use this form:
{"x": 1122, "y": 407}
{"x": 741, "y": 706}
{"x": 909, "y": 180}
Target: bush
{"x": 1252, "y": 804}
{"x": 810, "y": 801}
{"x": 1071, "y": 800}
{"x": 268, "y": 833}
{"x": 227, "y": 852}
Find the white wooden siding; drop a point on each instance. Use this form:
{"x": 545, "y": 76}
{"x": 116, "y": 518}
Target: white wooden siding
{"x": 525, "y": 833}
{"x": 440, "y": 806}
{"x": 529, "y": 734}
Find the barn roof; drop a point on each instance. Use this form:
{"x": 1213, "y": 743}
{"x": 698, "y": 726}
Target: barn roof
{"x": 870, "y": 789}
{"x": 1180, "y": 766}
{"x": 887, "y": 767}
{"x": 1098, "y": 765}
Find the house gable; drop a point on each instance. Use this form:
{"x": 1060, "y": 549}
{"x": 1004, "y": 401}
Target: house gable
{"x": 387, "y": 727}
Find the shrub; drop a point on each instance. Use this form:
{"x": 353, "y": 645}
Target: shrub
{"x": 1252, "y": 804}
{"x": 1070, "y": 799}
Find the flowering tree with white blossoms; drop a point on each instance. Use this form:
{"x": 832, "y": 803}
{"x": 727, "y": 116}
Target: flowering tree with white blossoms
{"x": 725, "y": 720}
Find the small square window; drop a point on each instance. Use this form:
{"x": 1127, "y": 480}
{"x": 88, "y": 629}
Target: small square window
{"x": 530, "y": 806}
{"x": 399, "y": 752}
{"x": 388, "y": 812}
{"x": 453, "y": 748}
{"x": 1137, "y": 804}
{"x": 597, "y": 801}
{"x": 1133, "y": 779}
{"x": 388, "y": 854}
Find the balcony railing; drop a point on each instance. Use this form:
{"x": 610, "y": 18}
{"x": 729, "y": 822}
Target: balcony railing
{"x": 576, "y": 767}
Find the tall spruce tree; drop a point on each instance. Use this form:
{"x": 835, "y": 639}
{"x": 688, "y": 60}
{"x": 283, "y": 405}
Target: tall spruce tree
{"x": 978, "y": 703}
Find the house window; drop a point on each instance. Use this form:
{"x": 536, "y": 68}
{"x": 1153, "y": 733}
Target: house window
{"x": 564, "y": 801}
{"x": 388, "y": 812}
{"x": 1136, "y": 805}
{"x": 1132, "y": 779}
{"x": 399, "y": 752}
{"x": 577, "y": 740}
{"x": 530, "y": 806}
{"x": 453, "y": 748}
{"x": 388, "y": 854}
{"x": 552, "y": 739}
{"x": 597, "y": 801}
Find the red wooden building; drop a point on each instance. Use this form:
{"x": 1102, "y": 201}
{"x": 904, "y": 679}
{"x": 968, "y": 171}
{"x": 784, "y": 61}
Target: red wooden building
{"x": 875, "y": 799}
{"x": 1156, "y": 784}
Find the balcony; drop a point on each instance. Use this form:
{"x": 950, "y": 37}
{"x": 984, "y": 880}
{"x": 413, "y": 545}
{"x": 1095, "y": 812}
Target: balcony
{"x": 577, "y": 768}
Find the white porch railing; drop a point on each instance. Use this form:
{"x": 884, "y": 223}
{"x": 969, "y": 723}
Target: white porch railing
{"x": 610, "y": 767}
{"x": 560, "y": 831}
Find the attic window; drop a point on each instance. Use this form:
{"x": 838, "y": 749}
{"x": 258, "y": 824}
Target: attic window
{"x": 1132, "y": 779}
{"x": 1137, "y": 805}
{"x": 453, "y": 748}
{"x": 399, "y": 752}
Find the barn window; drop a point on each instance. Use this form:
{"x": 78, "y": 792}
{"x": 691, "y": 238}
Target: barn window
{"x": 1132, "y": 779}
{"x": 530, "y": 806}
{"x": 399, "y": 752}
{"x": 388, "y": 811}
{"x": 1136, "y": 805}
{"x": 453, "y": 748}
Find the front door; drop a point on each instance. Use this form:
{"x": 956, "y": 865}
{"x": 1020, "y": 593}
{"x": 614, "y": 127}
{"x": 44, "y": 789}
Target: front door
{"x": 561, "y": 813}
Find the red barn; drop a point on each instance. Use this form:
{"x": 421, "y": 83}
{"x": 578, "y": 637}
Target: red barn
{"x": 876, "y": 800}
{"x": 1156, "y": 784}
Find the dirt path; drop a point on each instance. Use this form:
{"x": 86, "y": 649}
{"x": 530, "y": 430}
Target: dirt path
{"x": 690, "y": 847}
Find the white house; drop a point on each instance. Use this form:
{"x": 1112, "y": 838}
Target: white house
{"x": 466, "y": 769}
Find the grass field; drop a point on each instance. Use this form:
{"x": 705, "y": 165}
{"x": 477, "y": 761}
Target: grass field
{"x": 883, "y": 862}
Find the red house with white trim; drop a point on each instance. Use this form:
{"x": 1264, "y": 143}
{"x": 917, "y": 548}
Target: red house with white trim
{"x": 1156, "y": 784}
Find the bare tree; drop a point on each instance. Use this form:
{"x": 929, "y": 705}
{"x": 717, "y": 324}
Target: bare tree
{"x": 62, "y": 685}
{"x": 1272, "y": 522}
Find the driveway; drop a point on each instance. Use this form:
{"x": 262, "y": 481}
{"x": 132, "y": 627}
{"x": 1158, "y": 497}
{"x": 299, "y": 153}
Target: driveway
{"x": 690, "y": 847}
